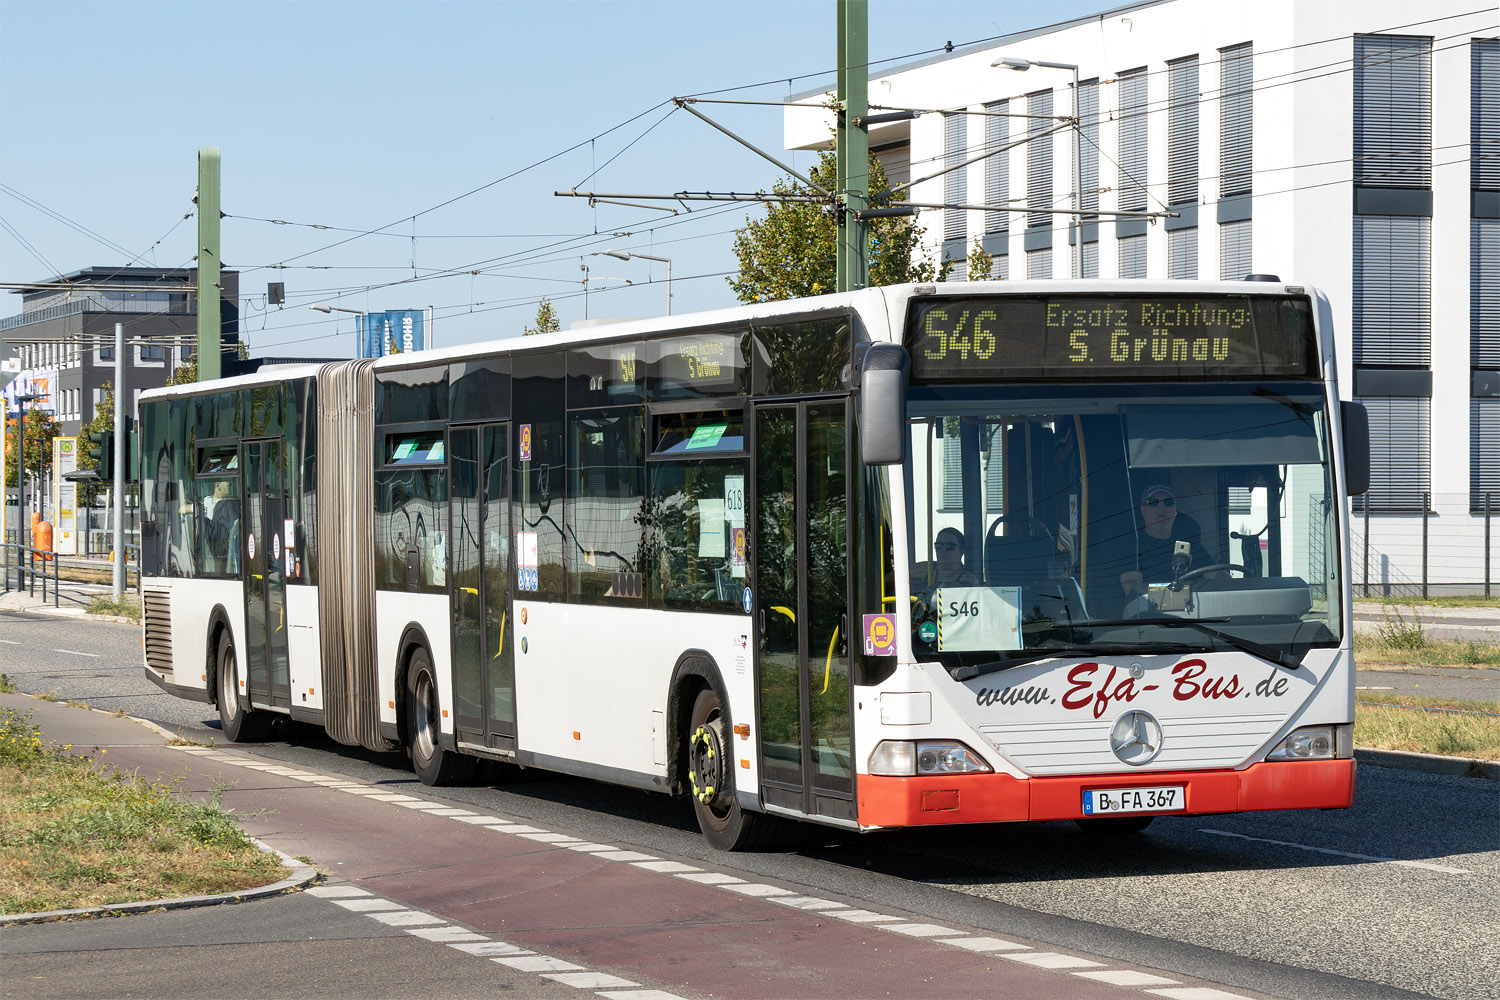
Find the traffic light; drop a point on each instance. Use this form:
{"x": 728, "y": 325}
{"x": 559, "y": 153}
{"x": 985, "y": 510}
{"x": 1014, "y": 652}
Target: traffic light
{"x": 102, "y": 451}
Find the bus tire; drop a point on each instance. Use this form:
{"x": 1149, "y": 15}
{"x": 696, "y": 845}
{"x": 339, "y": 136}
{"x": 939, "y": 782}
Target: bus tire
{"x": 1114, "y": 826}
{"x": 433, "y": 764}
{"x": 709, "y": 767}
{"x": 240, "y": 724}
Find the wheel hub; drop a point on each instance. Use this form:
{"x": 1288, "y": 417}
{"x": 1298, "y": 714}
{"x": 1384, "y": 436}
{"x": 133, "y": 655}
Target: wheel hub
{"x": 707, "y": 759}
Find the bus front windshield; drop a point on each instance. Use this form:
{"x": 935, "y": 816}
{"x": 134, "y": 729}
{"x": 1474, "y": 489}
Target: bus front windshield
{"x": 1120, "y": 519}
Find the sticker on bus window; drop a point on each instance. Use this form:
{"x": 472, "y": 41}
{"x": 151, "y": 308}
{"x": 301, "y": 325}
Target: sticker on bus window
{"x": 734, "y": 499}
{"x": 978, "y": 618}
{"x": 710, "y": 529}
{"x": 737, "y": 553}
{"x": 524, "y": 447}
{"x": 403, "y": 449}
{"x": 705, "y": 436}
{"x": 526, "y": 554}
{"x": 880, "y": 635}
{"x": 435, "y": 454}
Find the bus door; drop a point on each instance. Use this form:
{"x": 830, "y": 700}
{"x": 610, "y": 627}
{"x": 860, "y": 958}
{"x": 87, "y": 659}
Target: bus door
{"x": 801, "y": 606}
{"x": 265, "y": 580}
{"x": 484, "y": 674}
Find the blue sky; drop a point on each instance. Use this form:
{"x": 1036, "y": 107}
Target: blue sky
{"x": 357, "y": 115}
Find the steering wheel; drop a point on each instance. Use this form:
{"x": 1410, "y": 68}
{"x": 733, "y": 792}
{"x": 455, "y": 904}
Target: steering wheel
{"x": 1201, "y": 570}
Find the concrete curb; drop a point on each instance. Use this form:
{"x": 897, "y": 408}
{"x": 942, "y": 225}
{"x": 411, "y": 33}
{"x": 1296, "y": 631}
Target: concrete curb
{"x": 302, "y": 875}
{"x": 1431, "y": 763}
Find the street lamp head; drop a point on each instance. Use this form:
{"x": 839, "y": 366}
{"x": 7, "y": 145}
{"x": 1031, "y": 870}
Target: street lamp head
{"x": 321, "y": 308}
{"x": 618, "y": 254}
{"x": 1011, "y": 62}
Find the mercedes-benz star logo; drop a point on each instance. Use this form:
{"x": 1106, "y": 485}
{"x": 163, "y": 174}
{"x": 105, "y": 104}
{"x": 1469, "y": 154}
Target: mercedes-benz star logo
{"x": 1136, "y": 738}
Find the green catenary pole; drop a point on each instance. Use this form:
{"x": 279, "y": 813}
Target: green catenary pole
{"x": 852, "y": 143}
{"x": 210, "y": 324}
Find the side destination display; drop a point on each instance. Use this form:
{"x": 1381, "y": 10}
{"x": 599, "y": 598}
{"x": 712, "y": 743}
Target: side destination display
{"x": 1114, "y": 338}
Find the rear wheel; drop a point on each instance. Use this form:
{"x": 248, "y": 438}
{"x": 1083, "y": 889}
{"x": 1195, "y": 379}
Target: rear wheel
{"x": 240, "y": 724}
{"x": 711, "y": 781}
{"x": 1114, "y": 825}
{"x": 433, "y": 764}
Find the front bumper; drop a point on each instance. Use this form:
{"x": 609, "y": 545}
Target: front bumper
{"x": 1001, "y": 798}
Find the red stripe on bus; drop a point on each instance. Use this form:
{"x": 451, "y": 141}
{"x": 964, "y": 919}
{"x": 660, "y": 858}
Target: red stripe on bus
{"x": 1000, "y": 798}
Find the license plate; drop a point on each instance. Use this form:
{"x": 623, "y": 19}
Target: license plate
{"x": 1133, "y": 800}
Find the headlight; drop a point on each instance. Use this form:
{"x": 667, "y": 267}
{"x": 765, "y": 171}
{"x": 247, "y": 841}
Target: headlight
{"x": 907, "y": 757}
{"x": 1315, "y": 743}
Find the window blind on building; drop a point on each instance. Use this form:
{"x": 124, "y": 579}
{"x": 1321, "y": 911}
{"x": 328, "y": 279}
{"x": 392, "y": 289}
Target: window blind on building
{"x": 1088, "y": 144}
{"x": 1091, "y": 259}
{"x": 1484, "y": 454}
{"x": 1400, "y": 457}
{"x": 1000, "y": 267}
{"x": 1039, "y": 159}
{"x": 1236, "y": 101}
{"x": 1392, "y": 111}
{"x": 1132, "y": 158}
{"x": 1484, "y": 113}
{"x": 1182, "y": 254}
{"x": 1182, "y": 130}
{"x": 955, "y": 182}
{"x": 1132, "y": 256}
{"x": 1234, "y": 250}
{"x": 997, "y": 167}
{"x": 1392, "y": 290}
{"x": 1484, "y": 293}
{"x": 1039, "y": 263}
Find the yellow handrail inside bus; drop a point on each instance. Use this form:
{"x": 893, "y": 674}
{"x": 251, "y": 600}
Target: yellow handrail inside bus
{"x": 828, "y": 663}
{"x": 500, "y": 648}
{"x": 787, "y": 612}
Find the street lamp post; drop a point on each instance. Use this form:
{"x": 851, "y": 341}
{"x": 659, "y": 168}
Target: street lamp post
{"x": 627, "y": 254}
{"x": 358, "y": 327}
{"x": 1022, "y": 65}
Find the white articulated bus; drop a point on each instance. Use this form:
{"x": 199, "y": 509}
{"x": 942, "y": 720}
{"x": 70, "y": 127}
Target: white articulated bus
{"x": 921, "y": 554}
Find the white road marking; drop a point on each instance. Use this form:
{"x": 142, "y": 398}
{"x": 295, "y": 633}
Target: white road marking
{"x": 808, "y": 902}
{"x": 445, "y": 934}
{"x": 1198, "y": 993}
{"x": 758, "y": 889}
{"x": 1127, "y": 977}
{"x": 589, "y": 980}
{"x": 708, "y": 878}
{"x": 486, "y": 949}
{"x": 407, "y": 918}
{"x": 538, "y": 963}
{"x": 919, "y": 930}
{"x": 10, "y": 642}
{"x": 74, "y": 652}
{"x": 638, "y": 995}
{"x": 1374, "y": 689}
{"x": 337, "y": 891}
{"x": 983, "y": 944}
{"x": 666, "y": 867}
{"x": 624, "y": 856}
{"x": 370, "y": 905}
{"x": 1051, "y": 960}
{"x": 860, "y": 916}
{"x": 1343, "y": 854}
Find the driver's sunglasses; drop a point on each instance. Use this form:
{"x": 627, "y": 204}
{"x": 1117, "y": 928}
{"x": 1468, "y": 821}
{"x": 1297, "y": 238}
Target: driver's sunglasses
{"x": 1161, "y": 500}
{"x": 945, "y": 546}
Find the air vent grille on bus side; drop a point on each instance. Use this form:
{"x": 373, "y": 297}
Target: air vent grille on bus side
{"x": 157, "y": 616}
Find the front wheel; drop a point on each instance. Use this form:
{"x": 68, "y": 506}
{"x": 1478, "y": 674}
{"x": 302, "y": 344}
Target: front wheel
{"x": 724, "y": 823}
{"x": 433, "y": 764}
{"x": 240, "y": 724}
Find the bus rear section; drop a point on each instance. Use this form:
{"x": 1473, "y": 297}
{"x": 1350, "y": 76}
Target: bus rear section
{"x": 1120, "y": 564}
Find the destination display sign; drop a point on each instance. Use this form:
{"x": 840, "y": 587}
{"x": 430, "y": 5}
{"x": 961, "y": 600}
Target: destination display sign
{"x": 1114, "y": 338}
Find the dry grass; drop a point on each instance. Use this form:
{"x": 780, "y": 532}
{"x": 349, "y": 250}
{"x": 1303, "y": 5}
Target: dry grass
{"x": 76, "y": 834}
{"x": 1369, "y": 649}
{"x": 1472, "y": 729}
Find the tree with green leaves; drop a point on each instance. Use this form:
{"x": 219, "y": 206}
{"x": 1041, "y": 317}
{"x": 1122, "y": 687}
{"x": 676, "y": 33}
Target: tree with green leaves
{"x": 981, "y": 264}
{"x": 546, "y": 320}
{"x": 104, "y": 423}
{"x": 792, "y": 252}
{"x": 41, "y": 428}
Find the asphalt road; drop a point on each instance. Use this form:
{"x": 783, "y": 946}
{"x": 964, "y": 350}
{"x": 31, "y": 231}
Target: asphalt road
{"x": 1394, "y": 895}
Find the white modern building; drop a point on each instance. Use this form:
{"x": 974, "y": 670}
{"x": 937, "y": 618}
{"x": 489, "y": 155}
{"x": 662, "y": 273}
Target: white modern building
{"x": 1351, "y": 146}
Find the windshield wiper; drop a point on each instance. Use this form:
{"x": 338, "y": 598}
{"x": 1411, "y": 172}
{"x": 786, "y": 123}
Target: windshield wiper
{"x": 970, "y": 671}
{"x": 1285, "y": 661}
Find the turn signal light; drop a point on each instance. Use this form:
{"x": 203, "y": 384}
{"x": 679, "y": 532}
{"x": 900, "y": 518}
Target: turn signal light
{"x": 922, "y": 757}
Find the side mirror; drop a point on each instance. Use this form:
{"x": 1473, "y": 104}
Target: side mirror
{"x": 1356, "y": 420}
{"x": 882, "y": 404}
